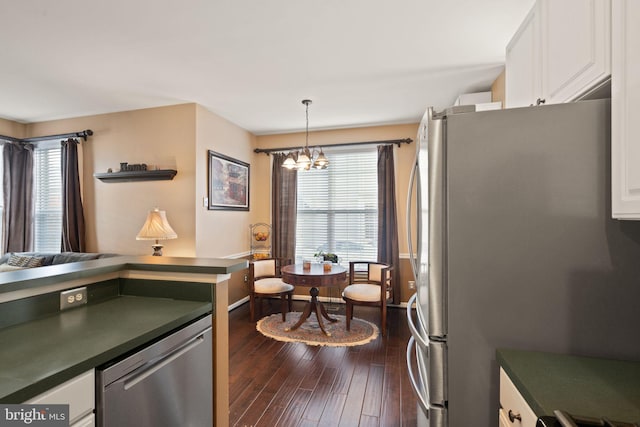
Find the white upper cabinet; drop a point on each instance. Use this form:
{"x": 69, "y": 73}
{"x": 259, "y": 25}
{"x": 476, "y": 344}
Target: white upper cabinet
{"x": 522, "y": 76}
{"x": 625, "y": 110}
{"x": 576, "y": 47}
{"x": 561, "y": 52}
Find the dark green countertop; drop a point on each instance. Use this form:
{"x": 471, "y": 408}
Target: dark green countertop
{"x": 583, "y": 386}
{"x": 43, "y": 276}
{"x": 46, "y": 347}
{"x": 38, "y": 355}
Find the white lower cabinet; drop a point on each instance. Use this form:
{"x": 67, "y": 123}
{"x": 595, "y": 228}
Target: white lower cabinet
{"x": 78, "y": 393}
{"x": 514, "y": 409}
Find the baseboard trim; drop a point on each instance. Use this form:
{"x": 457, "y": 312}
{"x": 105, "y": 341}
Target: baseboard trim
{"x": 238, "y": 303}
{"x": 306, "y": 298}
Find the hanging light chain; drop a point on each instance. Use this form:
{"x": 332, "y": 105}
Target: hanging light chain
{"x": 305, "y": 156}
{"x": 306, "y": 102}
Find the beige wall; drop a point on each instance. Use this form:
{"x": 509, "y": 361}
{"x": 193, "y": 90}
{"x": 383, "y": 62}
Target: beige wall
{"x": 14, "y": 129}
{"x": 498, "y": 89}
{"x": 162, "y": 137}
{"x": 223, "y": 233}
{"x": 179, "y": 137}
{"x": 404, "y": 157}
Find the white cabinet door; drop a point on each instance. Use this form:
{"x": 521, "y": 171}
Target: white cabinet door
{"x": 625, "y": 110}
{"x": 78, "y": 393}
{"x": 513, "y": 403}
{"x": 503, "y": 419}
{"x": 560, "y": 53}
{"x": 576, "y": 47}
{"x": 522, "y": 76}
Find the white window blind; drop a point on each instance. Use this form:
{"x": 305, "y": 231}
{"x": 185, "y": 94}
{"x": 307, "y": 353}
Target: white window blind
{"x": 338, "y": 207}
{"x": 48, "y": 196}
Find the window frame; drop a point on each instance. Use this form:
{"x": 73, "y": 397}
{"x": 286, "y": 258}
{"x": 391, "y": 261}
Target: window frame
{"x": 349, "y": 182}
{"x": 47, "y": 232}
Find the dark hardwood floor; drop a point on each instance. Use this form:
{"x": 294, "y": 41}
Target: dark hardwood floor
{"x": 273, "y": 383}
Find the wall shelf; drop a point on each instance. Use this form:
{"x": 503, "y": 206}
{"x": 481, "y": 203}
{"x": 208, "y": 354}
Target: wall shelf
{"x": 152, "y": 175}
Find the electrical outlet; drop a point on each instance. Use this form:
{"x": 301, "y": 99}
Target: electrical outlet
{"x": 246, "y": 278}
{"x": 412, "y": 284}
{"x": 73, "y": 298}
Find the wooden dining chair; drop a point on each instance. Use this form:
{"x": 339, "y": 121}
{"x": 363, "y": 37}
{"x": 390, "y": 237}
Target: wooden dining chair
{"x": 369, "y": 284}
{"x": 265, "y": 280}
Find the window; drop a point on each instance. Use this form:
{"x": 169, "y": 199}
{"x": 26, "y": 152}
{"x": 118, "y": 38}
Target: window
{"x": 338, "y": 207}
{"x": 48, "y": 196}
{"x": 47, "y": 170}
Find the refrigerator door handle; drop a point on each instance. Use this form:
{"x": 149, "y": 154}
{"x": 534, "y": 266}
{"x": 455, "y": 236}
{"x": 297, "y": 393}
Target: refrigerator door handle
{"x": 436, "y": 281}
{"x": 413, "y": 182}
{"x": 412, "y": 326}
{"x": 422, "y": 393}
{"x": 435, "y": 353}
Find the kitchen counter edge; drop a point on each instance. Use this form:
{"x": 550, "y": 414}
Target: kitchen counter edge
{"x": 53, "y": 274}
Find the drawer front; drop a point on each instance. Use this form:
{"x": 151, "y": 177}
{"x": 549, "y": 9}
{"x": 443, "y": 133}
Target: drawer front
{"x": 78, "y": 393}
{"x": 515, "y": 408}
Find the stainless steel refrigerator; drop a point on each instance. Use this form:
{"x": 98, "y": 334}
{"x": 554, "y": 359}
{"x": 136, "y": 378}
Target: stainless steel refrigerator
{"x": 512, "y": 246}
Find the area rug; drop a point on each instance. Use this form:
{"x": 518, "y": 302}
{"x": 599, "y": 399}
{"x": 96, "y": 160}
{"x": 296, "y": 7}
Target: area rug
{"x": 309, "y": 332}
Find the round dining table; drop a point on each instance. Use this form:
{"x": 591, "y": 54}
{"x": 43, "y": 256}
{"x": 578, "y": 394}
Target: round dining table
{"x": 314, "y": 277}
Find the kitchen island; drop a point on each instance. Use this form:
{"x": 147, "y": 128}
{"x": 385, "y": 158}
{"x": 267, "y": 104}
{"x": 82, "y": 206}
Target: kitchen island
{"x": 131, "y": 301}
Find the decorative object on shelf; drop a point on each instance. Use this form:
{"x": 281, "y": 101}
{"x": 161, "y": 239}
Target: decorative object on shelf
{"x": 260, "y": 240}
{"x": 126, "y": 167}
{"x": 148, "y": 175}
{"x": 306, "y": 158}
{"x": 228, "y": 183}
{"x": 156, "y": 227}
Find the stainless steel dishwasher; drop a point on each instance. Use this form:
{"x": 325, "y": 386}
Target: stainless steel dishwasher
{"x": 168, "y": 383}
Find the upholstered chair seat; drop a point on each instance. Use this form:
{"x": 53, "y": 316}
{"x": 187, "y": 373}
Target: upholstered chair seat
{"x": 265, "y": 281}
{"x": 362, "y": 292}
{"x": 369, "y": 284}
{"x": 272, "y": 285}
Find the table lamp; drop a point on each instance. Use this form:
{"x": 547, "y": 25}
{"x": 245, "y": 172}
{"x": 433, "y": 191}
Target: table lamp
{"x": 156, "y": 228}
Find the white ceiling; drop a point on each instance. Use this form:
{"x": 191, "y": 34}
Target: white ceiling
{"x": 362, "y": 62}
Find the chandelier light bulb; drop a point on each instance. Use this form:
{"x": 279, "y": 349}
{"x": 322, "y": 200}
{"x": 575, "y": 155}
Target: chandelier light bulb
{"x": 306, "y": 156}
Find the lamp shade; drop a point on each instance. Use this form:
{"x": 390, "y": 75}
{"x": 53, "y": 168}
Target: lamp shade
{"x": 156, "y": 227}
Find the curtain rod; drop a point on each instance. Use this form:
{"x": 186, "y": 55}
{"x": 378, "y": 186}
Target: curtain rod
{"x": 83, "y": 134}
{"x": 268, "y": 151}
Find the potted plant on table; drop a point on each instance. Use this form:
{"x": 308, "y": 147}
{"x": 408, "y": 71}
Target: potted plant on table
{"x": 327, "y": 256}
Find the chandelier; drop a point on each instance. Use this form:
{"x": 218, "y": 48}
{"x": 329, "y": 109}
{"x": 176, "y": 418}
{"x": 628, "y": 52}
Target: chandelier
{"x": 305, "y": 158}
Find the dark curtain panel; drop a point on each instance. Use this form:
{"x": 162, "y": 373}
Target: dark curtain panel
{"x": 73, "y": 232}
{"x": 17, "y": 223}
{"x": 388, "y": 251}
{"x": 284, "y": 200}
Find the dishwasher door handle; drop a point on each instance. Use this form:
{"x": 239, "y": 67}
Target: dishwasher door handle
{"x": 135, "y": 377}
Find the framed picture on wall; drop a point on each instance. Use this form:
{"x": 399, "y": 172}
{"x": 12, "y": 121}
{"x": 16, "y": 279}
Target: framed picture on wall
{"x": 228, "y": 183}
